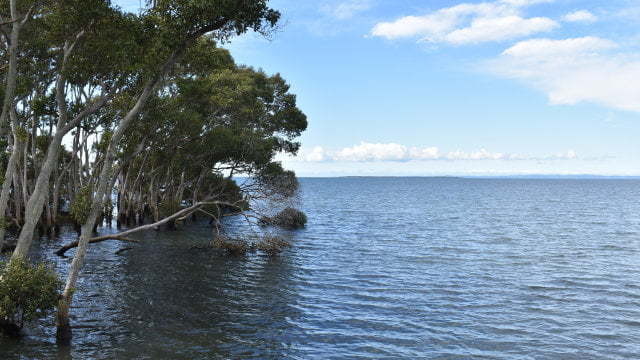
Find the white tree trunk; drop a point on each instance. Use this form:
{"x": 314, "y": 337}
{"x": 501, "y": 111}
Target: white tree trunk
{"x": 35, "y": 205}
{"x": 12, "y": 70}
{"x": 6, "y": 186}
{"x": 63, "y": 327}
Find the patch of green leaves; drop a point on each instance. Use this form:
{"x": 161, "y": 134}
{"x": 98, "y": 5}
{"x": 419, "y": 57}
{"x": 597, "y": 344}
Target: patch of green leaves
{"x": 27, "y": 292}
{"x": 81, "y": 205}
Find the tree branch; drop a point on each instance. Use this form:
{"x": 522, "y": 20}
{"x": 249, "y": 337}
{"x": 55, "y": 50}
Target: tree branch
{"x": 69, "y": 246}
{"x": 121, "y": 236}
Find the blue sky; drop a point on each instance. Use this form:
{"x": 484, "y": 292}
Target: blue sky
{"x": 442, "y": 87}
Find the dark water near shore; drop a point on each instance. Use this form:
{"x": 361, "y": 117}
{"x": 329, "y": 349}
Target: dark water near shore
{"x": 387, "y": 268}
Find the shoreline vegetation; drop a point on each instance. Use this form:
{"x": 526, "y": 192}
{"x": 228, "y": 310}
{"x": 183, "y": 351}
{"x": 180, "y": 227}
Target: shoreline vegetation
{"x": 139, "y": 119}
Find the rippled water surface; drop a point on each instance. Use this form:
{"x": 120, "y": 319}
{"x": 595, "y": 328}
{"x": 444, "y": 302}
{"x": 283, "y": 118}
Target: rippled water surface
{"x": 386, "y": 268}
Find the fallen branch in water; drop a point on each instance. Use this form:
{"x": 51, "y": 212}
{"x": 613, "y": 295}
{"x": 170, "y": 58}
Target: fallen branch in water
{"x": 70, "y": 246}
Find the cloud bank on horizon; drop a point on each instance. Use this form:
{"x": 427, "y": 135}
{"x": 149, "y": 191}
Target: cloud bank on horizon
{"x": 368, "y": 152}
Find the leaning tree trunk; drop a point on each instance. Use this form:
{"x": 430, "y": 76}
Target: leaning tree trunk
{"x": 63, "y": 333}
{"x": 8, "y": 108}
{"x": 17, "y": 199}
{"x": 25, "y": 182}
{"x": 12, "y": 70}
{"x": 35, "y": 205}
{"x": 6, "y": 186}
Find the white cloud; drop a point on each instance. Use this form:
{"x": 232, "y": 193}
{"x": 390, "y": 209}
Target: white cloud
{"x": 570, "y": 71}
{"x": 469, "y": 23}
{"x": 392, "y": 152}
{"x": 372, "y": 152}
{"x": 541, "y": 49}
{"x": 500, "y": 28}
{"x": 571, "y": 154}
{"x": 481, "y": 154}
{"x": 346, "y": 9}
{"x": 428, "y": 153}
{"x": 580, "y": 16}
{"x": 315, "y": 155}
{"x": 526, "y": 2}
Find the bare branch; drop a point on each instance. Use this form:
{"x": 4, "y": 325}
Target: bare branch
{"x": 121, "y": 236}
{"x": 69, "y": 246}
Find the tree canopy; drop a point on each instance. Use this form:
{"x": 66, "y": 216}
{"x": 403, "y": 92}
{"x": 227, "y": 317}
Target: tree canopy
{"x": 99, "y": 101}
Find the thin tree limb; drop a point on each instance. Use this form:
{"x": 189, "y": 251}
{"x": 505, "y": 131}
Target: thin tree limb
{"x": 121, "y": 236}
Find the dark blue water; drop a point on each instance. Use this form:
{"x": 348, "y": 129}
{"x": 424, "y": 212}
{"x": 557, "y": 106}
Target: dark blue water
{"x": 386, "y": 268}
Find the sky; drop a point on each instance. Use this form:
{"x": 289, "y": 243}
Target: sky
{"x": 444, "y": 87}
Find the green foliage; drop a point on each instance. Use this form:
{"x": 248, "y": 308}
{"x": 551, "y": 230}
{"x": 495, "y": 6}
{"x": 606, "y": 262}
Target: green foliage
{"x": 43, "y": 106}
{"x": 277, "y": 180}
{"x": 103, "y": 145}
{"x": 226, "y": 17}
{"x": 42, "y": 143}
{"x": 288, "y": 218}
{"x": 108, "y": 207}
{"x": 81, "y": 205}
{"x": 27, "y": 292}
{"x": 206, "y": 116}
{"x": 21, "y": 134}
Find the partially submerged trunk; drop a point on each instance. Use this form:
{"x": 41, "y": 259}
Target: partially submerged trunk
{"x": 8, "y": 110}
{"x": 35, "y": 205}
{"x": 63, "y": 333}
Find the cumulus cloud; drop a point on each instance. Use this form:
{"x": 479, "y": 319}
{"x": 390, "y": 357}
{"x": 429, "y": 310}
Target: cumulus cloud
{"x": 427, "y": 153}
{"x": 499, "y": 28}
{"x": 315, "y": 155}
{"x": 526, "y": 2}
{"x": 571, "y": 154}
{"x": 372, "y": 152}
{"x": 570, "y": 71}
{"x": 469, "y": 23}
{"x": 580, "y": 16}
{"x": 346, "y": 9}
{"x": 377, "y": 152}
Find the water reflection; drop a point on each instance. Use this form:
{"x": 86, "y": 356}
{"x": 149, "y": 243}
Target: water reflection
{"x": 396, "y": 268}
{"x": 167, "y": 299}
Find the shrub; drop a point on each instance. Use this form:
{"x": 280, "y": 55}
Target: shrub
{"x": 288, "y": 218}
{"x": 81, "y": 205}
{"x": 272, "y": 245}
{"x": 27, "y": 292}
{"x": 231, "y": 247}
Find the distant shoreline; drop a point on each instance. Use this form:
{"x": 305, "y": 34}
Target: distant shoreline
{"x": 497, "y": 177}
